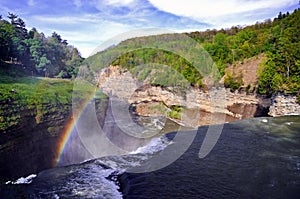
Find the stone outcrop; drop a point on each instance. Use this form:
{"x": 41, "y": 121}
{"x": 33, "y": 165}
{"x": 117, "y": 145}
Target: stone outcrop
{"x": 284, "y": 105}
{"x": 155, "y": 100}
{"x": 233, "y": 106}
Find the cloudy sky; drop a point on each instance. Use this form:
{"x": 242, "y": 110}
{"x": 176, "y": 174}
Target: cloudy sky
{"x": 86, "y": 24}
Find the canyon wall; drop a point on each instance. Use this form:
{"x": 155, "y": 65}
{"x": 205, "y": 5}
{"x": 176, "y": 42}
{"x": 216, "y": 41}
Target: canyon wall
{"x": 207, "y": 105}
{"x": 29, "y": 143}
{"x": 30, "y": 137}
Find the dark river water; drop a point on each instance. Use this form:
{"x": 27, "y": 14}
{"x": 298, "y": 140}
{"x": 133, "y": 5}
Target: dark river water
{"x": 253, "y": 158}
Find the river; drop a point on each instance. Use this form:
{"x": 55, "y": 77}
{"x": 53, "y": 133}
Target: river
{"x": 253, "y": 158}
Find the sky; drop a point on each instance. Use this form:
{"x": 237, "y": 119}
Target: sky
{"x": 86, "y": 24}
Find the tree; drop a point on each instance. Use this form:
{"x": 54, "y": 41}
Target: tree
{"x": 55, "y": 38}
{"x": 12, "y": 18}
{"x": 43, "y": 66}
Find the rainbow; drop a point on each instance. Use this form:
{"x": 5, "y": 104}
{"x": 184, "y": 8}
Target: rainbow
{"x": 64, "y": 139}
{"x": 67, "y": 132}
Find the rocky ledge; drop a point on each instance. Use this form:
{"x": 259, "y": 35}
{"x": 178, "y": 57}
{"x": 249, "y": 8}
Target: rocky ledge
{"x": 216, "y": 105}
{"x": 284, "y": 105}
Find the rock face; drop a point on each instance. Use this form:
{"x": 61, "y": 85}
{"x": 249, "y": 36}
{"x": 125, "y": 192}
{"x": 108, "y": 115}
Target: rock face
{"x": 284, "y": 105}
{"x": 154, "y": 100}
{"x": 29, "y": 144}
{"x": 233, "y": 106}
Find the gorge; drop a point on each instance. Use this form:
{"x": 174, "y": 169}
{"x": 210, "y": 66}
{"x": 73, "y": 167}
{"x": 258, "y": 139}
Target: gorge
{"x": 30, "y": 145}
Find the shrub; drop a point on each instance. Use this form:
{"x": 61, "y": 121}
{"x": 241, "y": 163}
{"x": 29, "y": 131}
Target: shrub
{"x": 233, "y": 83}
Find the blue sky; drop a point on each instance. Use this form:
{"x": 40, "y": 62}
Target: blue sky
{"x": 86, "y": 24}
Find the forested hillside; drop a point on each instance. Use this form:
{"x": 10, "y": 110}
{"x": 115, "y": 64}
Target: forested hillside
{"x": 277, "y": 39}
{"x": 37, "y": 54}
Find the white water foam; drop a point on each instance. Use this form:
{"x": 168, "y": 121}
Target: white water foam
{"x": 135, "y": 158}
{"x": 264, "y": 120}
{"x": 94, "y": 183}
{"x": 158, "y": 124}
{"x": 105, "y": 180}
{"x": 155, "y": 145}
{"x": 22, "y": 180}
{"x": 87, "y": 180}
{"x": 92, "y": 179}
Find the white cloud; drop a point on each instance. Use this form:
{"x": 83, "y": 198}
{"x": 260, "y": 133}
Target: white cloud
{"x": 31, "y": 2}
{"x": 118, "y": 2}
{"x": 57, "y": 20}
{"x": 77, "y": 3}
{"x": 85, "y": 49}
{"x": 89, "y": 38}
{"x": 208, "y": 8}
{"x": 106, "y": 5}
{"x": 69, "y": 20}
{"x": 217, "y": 11}
{"x": 86, "y": 32}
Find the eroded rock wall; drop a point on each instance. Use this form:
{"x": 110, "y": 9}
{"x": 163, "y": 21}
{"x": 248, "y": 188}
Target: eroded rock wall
{"x": 28, "y": 144}
{"x": 144, "y": 97}
{"x": 284, "y": 105}
{"x": 29, "y": 141}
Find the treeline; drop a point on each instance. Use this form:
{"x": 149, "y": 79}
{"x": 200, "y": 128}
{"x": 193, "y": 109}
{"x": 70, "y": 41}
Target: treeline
{"x": 41, "y": 55}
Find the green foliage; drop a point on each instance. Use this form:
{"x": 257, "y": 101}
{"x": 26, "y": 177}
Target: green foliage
{"x": 278, "y": 39}
{"x": 30, "y": 93}
{"x": 160, "y": 107}
{"x": 233, "y": 82}
{"x": 281, "y": 70}
{"x": 36, "y": 91}
{"x": 43, "y": 56}
{"x": 37, "y": 94}
{"x": 141, "y": 72}
{"x": 175, "y": 112}
{"x": 160, "y": 75}
{"x": 176, "y": 58}
{"x": 248, "y": 88}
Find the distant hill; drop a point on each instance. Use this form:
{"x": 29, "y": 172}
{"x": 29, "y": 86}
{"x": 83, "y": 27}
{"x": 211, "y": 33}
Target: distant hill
{"x": 276, "y": 43}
